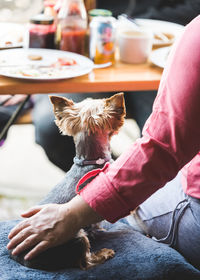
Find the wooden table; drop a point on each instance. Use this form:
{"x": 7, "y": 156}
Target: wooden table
{"x": 119, "y": 77}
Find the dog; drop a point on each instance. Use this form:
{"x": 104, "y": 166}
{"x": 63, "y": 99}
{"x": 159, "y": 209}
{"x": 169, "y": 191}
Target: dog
{"x": 91, "y": 122}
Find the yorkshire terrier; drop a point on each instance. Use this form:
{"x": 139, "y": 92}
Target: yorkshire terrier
{"x": 91, "y": 122}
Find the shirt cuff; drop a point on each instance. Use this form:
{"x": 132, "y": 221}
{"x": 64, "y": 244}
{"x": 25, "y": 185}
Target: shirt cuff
{"x": 103, "y": 198}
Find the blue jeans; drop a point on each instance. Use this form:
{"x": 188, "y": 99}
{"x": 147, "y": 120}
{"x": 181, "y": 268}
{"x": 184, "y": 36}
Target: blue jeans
{"x": 171, "y": 217}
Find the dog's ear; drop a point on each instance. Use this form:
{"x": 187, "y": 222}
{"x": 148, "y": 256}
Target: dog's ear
{"x": 60, "y": 102}
{"x": 59, "y": 105}
{"x": 115, "y": 111}
{"x": 116, "y": 102}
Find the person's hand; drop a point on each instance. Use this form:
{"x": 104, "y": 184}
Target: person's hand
{"x": 50, "y": 225}
{"x": 47, "y": 226}
{"x": 11, "y": 99}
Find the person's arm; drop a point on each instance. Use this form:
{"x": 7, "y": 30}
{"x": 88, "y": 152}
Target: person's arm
{"x": 50, "y": 225}
{"x": 171, "y": 137}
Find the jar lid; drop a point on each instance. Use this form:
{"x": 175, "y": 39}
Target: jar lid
{"x": 100, "y": 12}
{"x": 42, "y": 19}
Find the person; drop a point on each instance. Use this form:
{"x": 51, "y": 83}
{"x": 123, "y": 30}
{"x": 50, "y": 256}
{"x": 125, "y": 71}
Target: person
{"x": 8, "y": 106}
{"x": 60, "y": 150}
{"x": 144, "y": 179}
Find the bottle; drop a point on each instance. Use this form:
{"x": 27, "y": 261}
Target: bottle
{"x": 102, "y": 38}
{"x": 42, "y": 32}
{"x": 72, "y": 26}
{"x": 90, "y": 4}
{"x": 49, "y": 8}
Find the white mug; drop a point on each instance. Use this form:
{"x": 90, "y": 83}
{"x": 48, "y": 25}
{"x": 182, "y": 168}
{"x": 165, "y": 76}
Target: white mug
{"x": 134, "y": 45}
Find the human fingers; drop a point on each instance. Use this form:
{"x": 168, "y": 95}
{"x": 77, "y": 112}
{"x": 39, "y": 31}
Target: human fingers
{"x": 29, "y": 242}
{"x": 39, "y": 248}
{"x": 18, "y": 228}
{"x": 32, "y": 211}
{"x": 20, "y": 237}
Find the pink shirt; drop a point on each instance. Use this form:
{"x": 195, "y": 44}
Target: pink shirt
{"x": 171, "y": 139}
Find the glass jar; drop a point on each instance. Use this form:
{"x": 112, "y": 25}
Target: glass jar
{"x": 42, "y": 32}
{"x": 72, "y": 26}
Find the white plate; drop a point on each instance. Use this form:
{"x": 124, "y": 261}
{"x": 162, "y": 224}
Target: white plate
{"x": 159, "y": 56}
{"x": 11, "y": 35}
{"x": 161, "y": 26}
{"x": 15, "y": 62}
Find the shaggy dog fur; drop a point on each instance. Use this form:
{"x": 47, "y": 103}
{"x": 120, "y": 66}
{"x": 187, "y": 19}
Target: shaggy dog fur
{"x": 91, "y": 122}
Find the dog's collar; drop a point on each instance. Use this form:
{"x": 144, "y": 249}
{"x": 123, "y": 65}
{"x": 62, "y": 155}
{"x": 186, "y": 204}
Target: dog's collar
{"x": 99, "y": 161}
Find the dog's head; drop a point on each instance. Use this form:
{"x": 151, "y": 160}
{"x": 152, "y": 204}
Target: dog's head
{"x": 91, "y": 115}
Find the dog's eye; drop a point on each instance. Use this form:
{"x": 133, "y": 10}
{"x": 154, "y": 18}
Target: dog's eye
{"x": 58, "y": 118}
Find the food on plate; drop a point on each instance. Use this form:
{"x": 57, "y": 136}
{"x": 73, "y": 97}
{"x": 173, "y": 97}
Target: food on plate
{"x": 64, "y": 61}
{"x": 42, "y": 73}
{"x": 163, "y": 38}
{"x": 10, "y": 40}
{"x": 8, "y": 43}
{"x": 34, "y": 57}
{"x": 20, "y": 39}
{"x": 56, "y": 69}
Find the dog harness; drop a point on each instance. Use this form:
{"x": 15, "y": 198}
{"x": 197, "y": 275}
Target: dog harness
{"x": 90, "y": 174}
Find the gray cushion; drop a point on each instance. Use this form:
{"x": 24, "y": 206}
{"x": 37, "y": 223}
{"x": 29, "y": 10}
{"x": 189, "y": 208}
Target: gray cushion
{"x": 137, "y": 257}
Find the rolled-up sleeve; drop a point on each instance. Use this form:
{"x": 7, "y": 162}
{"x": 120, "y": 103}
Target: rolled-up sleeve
{"x": 171, "y": 137}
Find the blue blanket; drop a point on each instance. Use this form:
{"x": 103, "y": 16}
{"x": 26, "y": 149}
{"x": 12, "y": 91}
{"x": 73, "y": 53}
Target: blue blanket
{"x": 137, "y": 257}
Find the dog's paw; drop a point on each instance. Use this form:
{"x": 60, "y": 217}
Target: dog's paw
{"x": 105, "y": 254}
{"x": 99, "y": 257}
